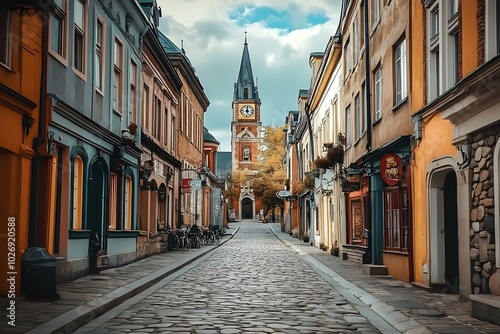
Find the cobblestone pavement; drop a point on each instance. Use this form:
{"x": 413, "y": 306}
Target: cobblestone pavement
{"x": 253, "y": 284}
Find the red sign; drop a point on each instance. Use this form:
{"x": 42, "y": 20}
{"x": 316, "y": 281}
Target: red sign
{"x": 391, "y": 169}
{"x": 186, "y": 186}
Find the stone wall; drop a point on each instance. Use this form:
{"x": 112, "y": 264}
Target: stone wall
{"x": 482, "y": 231}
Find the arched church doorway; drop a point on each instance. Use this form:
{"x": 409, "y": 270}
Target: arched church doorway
{"x": 246, "y": 208}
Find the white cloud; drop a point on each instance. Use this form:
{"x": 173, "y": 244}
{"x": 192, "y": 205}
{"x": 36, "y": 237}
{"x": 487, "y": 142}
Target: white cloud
{"x": 280, "y": 59}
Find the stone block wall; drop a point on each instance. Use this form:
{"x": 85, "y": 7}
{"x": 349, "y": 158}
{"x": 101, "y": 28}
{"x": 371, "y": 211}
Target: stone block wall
{"x": 482, "y": 229}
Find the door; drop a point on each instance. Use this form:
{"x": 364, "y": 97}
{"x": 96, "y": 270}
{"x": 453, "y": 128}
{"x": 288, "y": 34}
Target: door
{"x": 451, "y": 269}
{"x": 246, "y": 208}
{"x": 96, "y": 201}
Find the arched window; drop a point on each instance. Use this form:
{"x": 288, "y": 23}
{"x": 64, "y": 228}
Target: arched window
{"x": 77, "y": 192}
{"x": 128, "y": 203}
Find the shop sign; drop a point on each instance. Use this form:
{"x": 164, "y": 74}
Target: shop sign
{"x": 186, "y": 186}
{"x": 348, "y": 186}
{"x": 391, "y": 169}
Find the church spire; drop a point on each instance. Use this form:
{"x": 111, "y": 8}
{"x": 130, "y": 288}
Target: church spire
{"x": 245, "y": 88}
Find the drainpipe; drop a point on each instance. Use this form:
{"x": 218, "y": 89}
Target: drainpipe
{"x": 368, "y": 123}
{"x": 35, "y": 202}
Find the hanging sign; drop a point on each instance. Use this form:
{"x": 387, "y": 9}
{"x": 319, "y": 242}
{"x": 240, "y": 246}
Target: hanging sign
{"x": 195, "y": 184}
{"x": 391, "y": 169}
{"x": 186, "y": 186}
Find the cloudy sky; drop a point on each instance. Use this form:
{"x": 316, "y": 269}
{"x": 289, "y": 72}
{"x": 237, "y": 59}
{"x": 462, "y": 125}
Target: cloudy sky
{"x": 281, "y": 35}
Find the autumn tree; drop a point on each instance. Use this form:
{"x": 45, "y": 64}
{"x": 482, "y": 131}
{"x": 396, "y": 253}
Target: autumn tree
{"x": 271, "y": 176}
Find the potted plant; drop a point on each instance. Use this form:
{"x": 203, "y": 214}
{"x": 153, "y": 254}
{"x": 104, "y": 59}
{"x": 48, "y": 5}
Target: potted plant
{"x": 308, "y": 181}
{"x": 335, "y": 249}
{"x": 132, "y": 127}
{"x": 335, "y": 154}
{"x": 322, "y": 162}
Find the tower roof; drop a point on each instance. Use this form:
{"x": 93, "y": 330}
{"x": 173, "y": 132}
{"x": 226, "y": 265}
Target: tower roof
{"x": 245, "y": 88}
{"x": 208, "y": 137}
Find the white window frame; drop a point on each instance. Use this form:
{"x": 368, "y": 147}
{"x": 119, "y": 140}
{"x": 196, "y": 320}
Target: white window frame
{"x": 375, "y": 10}
{"x": 60, "y": 13}
{"x": 358, "y": 117}
{"x": 348, "y": 125}
{"x": 348, "y": 56}
{"x": 99, "y": 74}
{"x": 434, "y": 66}
{"x": 118, "y": 76}
{"x": 492, "y": 29}
{"x": 400, "y": 72}
{"x": 80, "y": 55}
{"x": 133, "y": 91}
{"x": 355, "y": 39}
{"x": 378, "y": 91}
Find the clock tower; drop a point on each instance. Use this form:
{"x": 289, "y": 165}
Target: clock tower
{"x": 245, "y": 133}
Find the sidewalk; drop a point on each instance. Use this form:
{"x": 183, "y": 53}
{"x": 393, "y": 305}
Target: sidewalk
{"x": 86, "y": 298}
{"x": 407, "y": 308}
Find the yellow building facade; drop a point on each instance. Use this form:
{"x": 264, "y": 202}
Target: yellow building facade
{"x": 21, "y": 49}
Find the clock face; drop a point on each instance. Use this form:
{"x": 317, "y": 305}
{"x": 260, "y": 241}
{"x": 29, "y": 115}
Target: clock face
{"x": 246, "y": 110}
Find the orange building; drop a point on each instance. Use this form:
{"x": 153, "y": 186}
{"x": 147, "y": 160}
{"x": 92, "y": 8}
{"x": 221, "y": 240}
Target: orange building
{"x": 23, "y": 42}
{"x": 456, "y": 151}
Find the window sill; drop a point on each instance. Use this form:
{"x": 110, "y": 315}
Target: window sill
{"x": 375, "y": 123}
{"x": 396, "y": 252}
{"x": 399, "y": 104}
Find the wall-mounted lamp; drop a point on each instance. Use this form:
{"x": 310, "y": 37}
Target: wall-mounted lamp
{"x": 147, "y": 169}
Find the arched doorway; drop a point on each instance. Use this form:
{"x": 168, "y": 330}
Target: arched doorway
{"x": 443, "y": 233}
{"x": 96, "y": 206}
{"x": 246, "y": 208}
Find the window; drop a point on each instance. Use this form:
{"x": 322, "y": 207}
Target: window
{"x": 117, "y": 82}
{"x": 357, "y": 220}
{"x": 173, "y": 132}
{"x": 133, "y": 92}
{"x": 375, "y": 11}
{"x": 165, "y": 127}
{"x": 98, "y": 66}
{"x": 348, "y": 125}
{"x": 452, "y": 45}
{"x": 58, "y": 28}
{"x": 79, "y": 36}
{"x": 113, "y": 201}
{"x": 453, "y": 7}
{"x": 128, "y": 203}
{"x": 359, "y": 117}
{"x": 355, "y": 39}
{"x": 497, "y": 26}
{"x": 396, "y": 221}
{"x": 145, "y": 108}
{"x": 433, "y": 70}
{"x": 362, "y": 24}
{"x": 156, "y": 126}
{"x": 348, "y": 60}
{"x": 77, "y": 192}
{"x": 363, "y": 109}
{"x": 378, "y": 93}
{"x": 5, "y": 35}
{"x": 400, "y": 71}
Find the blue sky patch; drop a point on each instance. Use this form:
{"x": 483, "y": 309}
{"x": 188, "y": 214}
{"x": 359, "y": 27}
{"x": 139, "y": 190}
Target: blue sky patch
{"x": 277, "y": 19}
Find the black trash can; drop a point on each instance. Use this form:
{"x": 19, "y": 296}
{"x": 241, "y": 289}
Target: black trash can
{"x": 39, "y": 275}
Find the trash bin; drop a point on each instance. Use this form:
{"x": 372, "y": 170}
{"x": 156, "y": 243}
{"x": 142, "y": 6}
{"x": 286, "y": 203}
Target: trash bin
{"x": 39, "y": 274}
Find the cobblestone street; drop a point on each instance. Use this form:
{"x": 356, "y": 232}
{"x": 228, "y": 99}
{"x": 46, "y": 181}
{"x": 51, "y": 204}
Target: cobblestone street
{"x": 253, "y": 284}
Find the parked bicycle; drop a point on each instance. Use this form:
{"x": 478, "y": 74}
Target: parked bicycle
{"x": 182, "y": 234}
